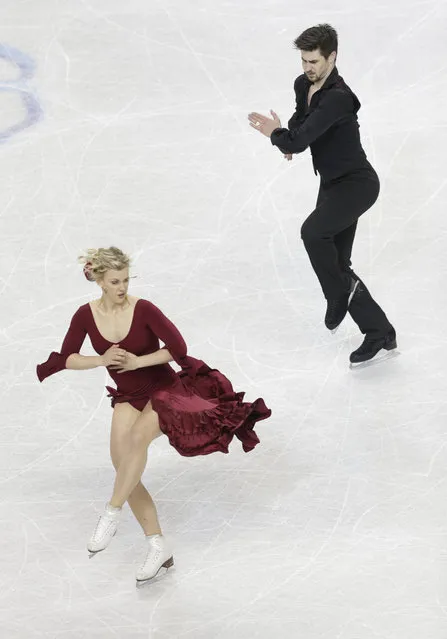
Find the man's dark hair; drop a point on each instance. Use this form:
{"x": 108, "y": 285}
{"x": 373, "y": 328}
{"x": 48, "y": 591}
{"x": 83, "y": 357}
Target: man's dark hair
{"x": 323, "y": 37}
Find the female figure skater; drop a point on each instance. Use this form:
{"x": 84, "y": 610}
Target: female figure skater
{"x": 196, "y": 408}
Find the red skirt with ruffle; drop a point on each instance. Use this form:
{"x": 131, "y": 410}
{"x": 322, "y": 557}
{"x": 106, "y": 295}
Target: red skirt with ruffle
{"x": 200, "y": 413}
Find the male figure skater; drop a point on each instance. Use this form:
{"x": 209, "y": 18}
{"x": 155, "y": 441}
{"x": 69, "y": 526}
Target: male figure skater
{"x": 325, "y": 119}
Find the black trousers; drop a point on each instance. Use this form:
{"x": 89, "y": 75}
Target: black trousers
{"x": 328, "y": 235}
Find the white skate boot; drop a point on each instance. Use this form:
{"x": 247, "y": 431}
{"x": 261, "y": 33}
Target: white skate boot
{"x": 158, "y": 556}
{"x": 105, "y": 530}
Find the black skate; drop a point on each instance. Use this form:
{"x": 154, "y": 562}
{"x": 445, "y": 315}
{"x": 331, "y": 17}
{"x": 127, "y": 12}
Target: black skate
{"x": 337, "y": 309}
{"x": 372, "y": 345}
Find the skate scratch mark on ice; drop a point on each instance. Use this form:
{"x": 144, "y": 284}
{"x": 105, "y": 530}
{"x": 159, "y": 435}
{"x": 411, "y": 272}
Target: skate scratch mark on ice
{"x": 293, "y": 301}
{"x": 222, "y": 230}
{"x": 174, "y": 144}
{"x": 395, "y": 155}
{"x": 107, "y": 123}
{"x": 428, "y": 244}
{"x": 172, "y": 109}
{"x": 46, "y": 456}
{"x": 376, "y": 609}
{"x": 55, "y": 39}
{"x": 281, "y": 226}
{"x": 315, "y": 607}
{"x": 398, "y": 232}
{"x": 418, "y": 89}
{"x": 168, "y": 483}
{"x": 248, "y": 357}
{"x": 267, "y": 190}
{"x": 325, "y": 543}
{"x": 150, "y": 40}
{"x": 340, "y": 448}
{"x": 235, "y": 355}
{"x": 7, "y": 206}
{"x": 221, "y": 227}
{"x": 64, "y": 561}
{"x": 201, "y": 64}
{"x": 75, "y": 176}
{"x": 188, "y": 46}
{"x": 205, "y": 252}
{"x": 419, "y": 498}
{"x": 311, "y": 407}
{"x": 283, "y": 582}
{"x": 71, "y": 300}
{"x": 212, "y": 242}
{"x": 432, "y": 461}
{"x": 396, "y": 43}
{"x": 233, "y": 298}
{"x": 12, "y": 270}
{"x": 275, "y": 369}
{"x": 324, "y": 567}
{"x": 264, "y": 186}
{"x": 379, "y": 504}
{"x": 29, "y": 231}
{"x": 5, "y": 590}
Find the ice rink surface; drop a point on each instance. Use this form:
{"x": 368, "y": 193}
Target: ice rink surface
{"x": 124, "y": 123}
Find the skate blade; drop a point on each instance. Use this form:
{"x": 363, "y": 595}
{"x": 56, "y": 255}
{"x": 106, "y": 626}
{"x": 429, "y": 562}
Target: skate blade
{"x": 387, "y": 355}
{"x": 161, "y": 572}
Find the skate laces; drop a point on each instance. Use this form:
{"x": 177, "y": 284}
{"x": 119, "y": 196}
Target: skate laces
{"x": 154, "y": 551}
{"x": 98, "y": 525}
{"x": 103, "y": 524}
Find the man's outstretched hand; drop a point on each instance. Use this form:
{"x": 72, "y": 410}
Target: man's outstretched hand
{"x": 264, "y": 124}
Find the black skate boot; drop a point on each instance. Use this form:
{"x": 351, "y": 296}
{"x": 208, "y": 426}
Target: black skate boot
{"x": 372, "y": 345}
{"x": 337, "y": 309}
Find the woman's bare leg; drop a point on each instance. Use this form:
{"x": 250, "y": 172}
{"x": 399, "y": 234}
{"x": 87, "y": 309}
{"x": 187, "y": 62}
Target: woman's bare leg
{"x": 142, "y": 432}
{"x": 139, "y": 500}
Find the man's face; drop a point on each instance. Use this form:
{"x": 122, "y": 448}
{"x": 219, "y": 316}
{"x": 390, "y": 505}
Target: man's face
{"x": 315, "y": 65}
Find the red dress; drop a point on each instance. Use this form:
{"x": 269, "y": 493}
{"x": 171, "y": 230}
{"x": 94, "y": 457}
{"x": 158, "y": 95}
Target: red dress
{"x": 197, "y": 407}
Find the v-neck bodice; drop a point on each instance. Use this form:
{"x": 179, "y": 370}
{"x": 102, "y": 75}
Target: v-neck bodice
{"x": 121, "y": 341}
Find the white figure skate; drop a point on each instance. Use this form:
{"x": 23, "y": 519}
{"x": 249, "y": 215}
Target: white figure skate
{"x": 105, "y": 530}
{"x": 158, "y": 556}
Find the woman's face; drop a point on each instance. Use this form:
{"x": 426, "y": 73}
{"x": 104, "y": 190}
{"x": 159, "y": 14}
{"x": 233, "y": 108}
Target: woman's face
{"x": 116, "y": 284}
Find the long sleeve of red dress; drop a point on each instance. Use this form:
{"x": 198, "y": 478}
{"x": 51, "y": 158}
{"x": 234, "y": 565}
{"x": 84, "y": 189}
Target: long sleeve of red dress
{"x": 165, "y": 330}
{"x": 171, "y": 337}
{"x": 72, "y": 343}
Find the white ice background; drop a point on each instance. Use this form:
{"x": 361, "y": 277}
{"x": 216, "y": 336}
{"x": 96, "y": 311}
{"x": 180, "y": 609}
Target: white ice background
{"x": 335, "y": 527}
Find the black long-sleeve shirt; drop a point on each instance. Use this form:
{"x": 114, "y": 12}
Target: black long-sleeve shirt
{"x": 328, "y": 125}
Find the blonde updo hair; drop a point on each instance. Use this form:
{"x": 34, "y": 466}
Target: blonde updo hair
{"x": 97, "y": 261}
